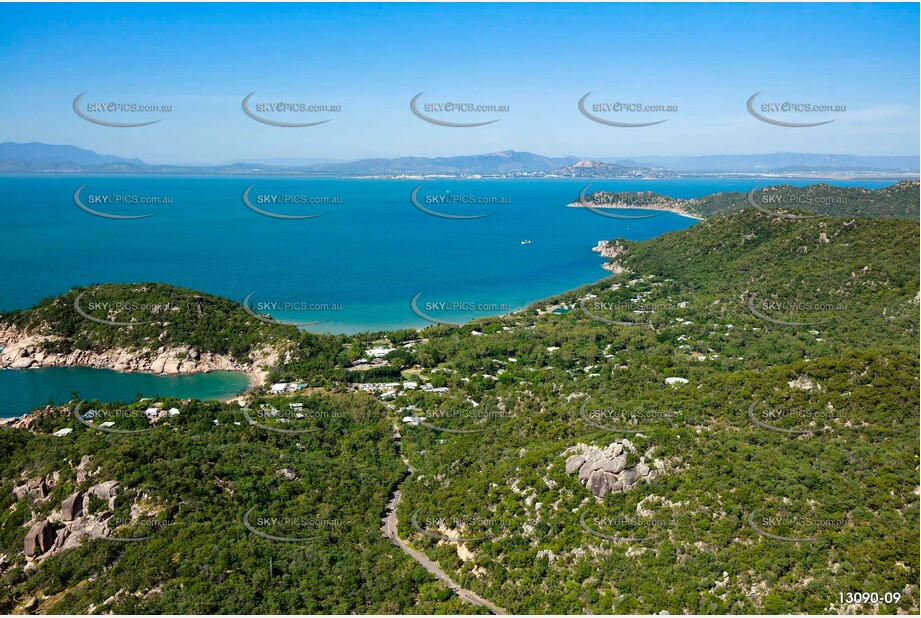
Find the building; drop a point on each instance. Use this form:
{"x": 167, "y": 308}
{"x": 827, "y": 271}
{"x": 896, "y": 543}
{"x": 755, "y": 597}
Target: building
{"x": 379, "y": 352}
{"x": 375, "y": 387}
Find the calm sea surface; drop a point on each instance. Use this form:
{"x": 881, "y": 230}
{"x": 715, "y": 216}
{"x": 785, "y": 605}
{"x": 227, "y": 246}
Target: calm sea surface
{"x": 355, "y": 268}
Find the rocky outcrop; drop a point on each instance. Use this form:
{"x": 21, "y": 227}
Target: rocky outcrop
{"x": 107, "y": 491}
{"x": 43, "y": 541}
{"x": 39, "y": 539}
{"x": 82, "y": 470}
{"x": 39, "y": 488}
{"x": 104, "y": 490}
{"x": 26, "y": 351}
{"x": 286, "y": 474}
{"x": 66, "y": 528}
{"x": 611, "y": 250}
{"x": 72, "y": 506}
{"x": 605, "y": 470}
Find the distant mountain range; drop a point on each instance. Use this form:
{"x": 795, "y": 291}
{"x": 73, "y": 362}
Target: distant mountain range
{"x": 36, "y": 157}
{"x": 44, "y": 154}
{"x": 776, "y": 162}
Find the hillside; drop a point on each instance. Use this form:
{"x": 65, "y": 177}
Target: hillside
{"x": 795, "y": 419}
{"x": 42, "y": 154}
{"x": 143, "y": 316}
{"x": 599, "y": 169}
{"x": 900, "y": 201}
{"x": 734, "y": 412}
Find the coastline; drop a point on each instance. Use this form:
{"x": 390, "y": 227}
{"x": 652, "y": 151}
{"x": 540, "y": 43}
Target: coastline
{"x": 675, "y": 211}
{"x": 23, "y": 351}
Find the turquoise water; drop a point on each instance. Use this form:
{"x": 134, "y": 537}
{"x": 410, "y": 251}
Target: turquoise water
{"x": 355, "y": 268}
{"x": 23, "y": 389}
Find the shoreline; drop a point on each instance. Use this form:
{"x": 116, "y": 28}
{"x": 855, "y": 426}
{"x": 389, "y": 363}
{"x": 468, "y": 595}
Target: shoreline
{"x": 679, "y": 212}
{"x": 410, "y": 176}
{"x": 24, "y": 351}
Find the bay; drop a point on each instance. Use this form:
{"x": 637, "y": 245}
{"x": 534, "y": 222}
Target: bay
{"x": 356, "y": 267}
{"x": 21, "y": 390}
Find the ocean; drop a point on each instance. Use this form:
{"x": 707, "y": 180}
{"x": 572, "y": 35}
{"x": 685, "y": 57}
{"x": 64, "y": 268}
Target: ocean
{"x": 356, "y": 267}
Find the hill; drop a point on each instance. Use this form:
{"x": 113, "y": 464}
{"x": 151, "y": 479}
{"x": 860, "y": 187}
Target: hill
{"x": 900, "y": 201}
{"x": 734, "y": 412}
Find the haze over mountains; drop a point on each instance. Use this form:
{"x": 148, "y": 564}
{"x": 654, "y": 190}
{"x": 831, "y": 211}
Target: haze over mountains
{"x": 777, "y": 161}
{"x": 35, "y": 157}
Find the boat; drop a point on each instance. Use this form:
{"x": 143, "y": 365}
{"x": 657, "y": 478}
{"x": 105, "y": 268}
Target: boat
{"x": 526, "y": 242}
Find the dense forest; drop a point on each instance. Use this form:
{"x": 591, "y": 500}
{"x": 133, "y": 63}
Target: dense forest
{"x": 727, "y": 424}
{"x": 898, "y": 201}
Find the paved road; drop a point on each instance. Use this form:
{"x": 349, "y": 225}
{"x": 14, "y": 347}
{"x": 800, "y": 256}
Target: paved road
{"x": 390, "y": 531}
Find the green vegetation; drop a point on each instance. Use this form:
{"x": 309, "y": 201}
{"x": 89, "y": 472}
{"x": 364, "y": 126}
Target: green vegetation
{"x": 146, "y": 316}
{"x": 799, "y": 342}
{"x": 201, "y": 479}
{"x": 899, "y": 201}
{"x": 850, "y": 375}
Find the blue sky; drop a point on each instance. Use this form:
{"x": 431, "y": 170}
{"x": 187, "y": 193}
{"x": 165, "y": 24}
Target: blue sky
{"x": 539, "y": 59}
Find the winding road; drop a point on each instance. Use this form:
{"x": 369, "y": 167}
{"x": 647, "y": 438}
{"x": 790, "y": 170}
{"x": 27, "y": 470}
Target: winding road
{"x": 390, "y": 531}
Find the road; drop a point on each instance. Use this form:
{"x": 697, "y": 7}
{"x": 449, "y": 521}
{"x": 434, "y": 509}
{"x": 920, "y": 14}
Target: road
{"x": 390, "y": 531}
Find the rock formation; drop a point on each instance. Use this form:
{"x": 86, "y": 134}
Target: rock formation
{"x": 605, "y": 470}
{"x": 39, "y": 539}
{"x": 71, "y": 507}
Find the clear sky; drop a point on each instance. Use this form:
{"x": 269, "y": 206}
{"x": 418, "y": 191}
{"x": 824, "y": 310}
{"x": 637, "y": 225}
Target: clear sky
{"x": 538, "y": 59}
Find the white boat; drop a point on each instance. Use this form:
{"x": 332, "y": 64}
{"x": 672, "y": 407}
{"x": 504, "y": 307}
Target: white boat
{"x": 526, "y": 242}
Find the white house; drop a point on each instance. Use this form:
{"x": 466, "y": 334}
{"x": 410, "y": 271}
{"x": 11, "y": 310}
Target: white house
{"x": 63, "y": 432}
{"x": 373, "y": 387}
{"x": 379, "y": 352}
{"x": 674, "y": 381}
{"x": 280, "y": 387}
